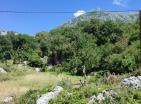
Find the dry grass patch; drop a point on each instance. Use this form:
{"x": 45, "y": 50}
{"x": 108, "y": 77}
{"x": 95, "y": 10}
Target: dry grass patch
{"x": 21, "y": 84}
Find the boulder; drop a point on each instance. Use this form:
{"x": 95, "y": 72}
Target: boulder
{"x": 38, "y": 69}
{"x": 102, "y": 96}
{"x": 8, "y": 99}
{"x": 134, "y": 82}
{"x": 2, "y": 70}
{"x": 45, "y": 98}
{"x": 25, "y": 63}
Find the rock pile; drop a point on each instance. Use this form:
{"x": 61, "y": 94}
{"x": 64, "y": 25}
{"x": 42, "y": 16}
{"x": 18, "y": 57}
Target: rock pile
{"x": 44, "y": 99}
{"x": 134, "y": 82}
{"x": 102, "y": 96}
{"x": 2, "y": 70}
{"x": 8, "y": 99}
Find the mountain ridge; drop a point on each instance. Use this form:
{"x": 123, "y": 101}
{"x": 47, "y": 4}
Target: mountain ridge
{"x": 103, "y": 15}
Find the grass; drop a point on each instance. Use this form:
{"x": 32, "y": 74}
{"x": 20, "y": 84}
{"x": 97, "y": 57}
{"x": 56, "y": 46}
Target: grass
{"x": 21, "y": 79}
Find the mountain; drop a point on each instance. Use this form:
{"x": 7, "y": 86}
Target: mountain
{"x": 103, "y": 15}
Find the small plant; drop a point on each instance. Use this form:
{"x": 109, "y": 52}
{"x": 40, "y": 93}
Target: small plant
{"x": 67, "y": 84}
{"x": 111, "y": 78}
{"x": 29, "y": 98}
{"x": 137, "y": 72}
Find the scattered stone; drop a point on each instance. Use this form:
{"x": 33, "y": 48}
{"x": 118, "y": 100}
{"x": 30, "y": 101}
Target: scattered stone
{"x": 8, "y": 99}
{"x": 38, "y": 69}
{"x": 102, "y": 96}
{"x": 134, "y": 82}
{"x": 45, "y": 98}
{"x": 2, "y": 70}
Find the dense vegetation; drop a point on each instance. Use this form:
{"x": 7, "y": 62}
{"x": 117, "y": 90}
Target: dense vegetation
{"x": 107, "y": 51}
{"x": 93, "y": 45}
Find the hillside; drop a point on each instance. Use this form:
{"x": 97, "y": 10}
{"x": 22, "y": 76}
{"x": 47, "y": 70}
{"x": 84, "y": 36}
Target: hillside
{"x": 103, "y": 15}
{"x": 94, "y": 59}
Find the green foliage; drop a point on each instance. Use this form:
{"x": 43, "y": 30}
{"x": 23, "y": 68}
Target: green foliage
{"x": 67, "y": 84}
{"x": 29, "y": 98}
{"x": 35, "y": 61}
{"x": 95, "y": 44}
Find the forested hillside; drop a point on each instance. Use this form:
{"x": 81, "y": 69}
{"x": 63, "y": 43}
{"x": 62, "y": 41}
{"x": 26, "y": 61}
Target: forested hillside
{"x": 93, "y": 59}
{"x": 95, "y": 44}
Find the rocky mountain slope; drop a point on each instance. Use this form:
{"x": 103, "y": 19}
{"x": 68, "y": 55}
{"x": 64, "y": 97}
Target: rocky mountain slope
{"x": 103, "y": 15}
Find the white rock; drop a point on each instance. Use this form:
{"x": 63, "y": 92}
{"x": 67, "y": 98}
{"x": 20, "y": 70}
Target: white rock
{"x": 2, "y": 70}
{"x": 44, "y": 99}
{"x": 102, "y": 96}
{"x": 37, "y": 69}
{"x": 93, "y": 98}
{"x": 25, "y": 62}
{"x": 134, "y": 82}
{"x": 8, "y": 99}
{"x": 91, "y": 101}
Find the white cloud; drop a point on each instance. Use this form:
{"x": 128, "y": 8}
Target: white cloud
{"x": 79, "y": 13}
{"x": 119, "y": 2}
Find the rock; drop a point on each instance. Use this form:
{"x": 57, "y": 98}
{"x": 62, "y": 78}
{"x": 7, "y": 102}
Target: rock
{"x": 8, "y": 99}
{"x": 134, "y": 82}
{"x": 25, "y": 62}
{"x": 2, "y": 70}
{"x": 37, "y": 69}
{"x": 44, "y": 99}
{"x": 102, "y": 96}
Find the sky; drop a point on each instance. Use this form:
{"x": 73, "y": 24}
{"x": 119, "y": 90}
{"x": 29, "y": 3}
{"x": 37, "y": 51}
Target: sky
{"x": 33, "y": 23}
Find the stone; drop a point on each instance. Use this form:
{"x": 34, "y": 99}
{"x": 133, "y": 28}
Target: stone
{"x": 2, "y": 70}
{"x": 8, "y": 99}
{"x": 37, "y": 69}
{"x": 45, "y": 98}
{"x": 102, "y": 96}
{"x": 134, "y": 82}
{"x": 25, "y": 62}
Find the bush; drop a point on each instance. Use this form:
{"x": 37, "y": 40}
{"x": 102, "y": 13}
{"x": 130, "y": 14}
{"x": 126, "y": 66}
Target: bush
{"x": 29, "y": 98}
{"x": 137, "y": 72}
{"x": 35, "y": 60}
{"x": 67, "y": 84}
{"x": 112, "y": 79}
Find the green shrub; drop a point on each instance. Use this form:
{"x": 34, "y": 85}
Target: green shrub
{"x": 29, "y": 98}
{"x": 35, "y": 60}
{"x": 67, "y": 84}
